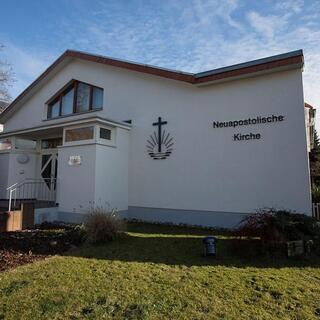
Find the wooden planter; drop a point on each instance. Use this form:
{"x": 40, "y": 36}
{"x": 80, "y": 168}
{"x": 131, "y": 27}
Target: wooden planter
{"x": 18, "y": 219}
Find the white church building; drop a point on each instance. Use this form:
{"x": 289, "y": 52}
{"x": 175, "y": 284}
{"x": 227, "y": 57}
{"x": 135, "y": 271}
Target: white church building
{"x": 157, "y": 144}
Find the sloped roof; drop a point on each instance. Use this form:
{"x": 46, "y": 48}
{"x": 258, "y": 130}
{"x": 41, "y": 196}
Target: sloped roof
{"x": 284, "y": 61}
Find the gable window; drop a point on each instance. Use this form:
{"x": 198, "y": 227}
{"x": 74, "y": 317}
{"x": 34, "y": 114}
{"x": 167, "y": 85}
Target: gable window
{"x": 97, "y": 98}
{"x": 77, "y": 97}
{"x": 83, "y": 97}
{"x": 55, "y": 109}
{"x": 67, "y": 102}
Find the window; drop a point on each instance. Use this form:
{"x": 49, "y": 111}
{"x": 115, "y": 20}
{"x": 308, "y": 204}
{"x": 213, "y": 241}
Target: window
{"x": 105, "y": 134}
{"x": 55, "y": 109}
{"x": 52, "y": 143}
{"x": 77, "y": 97}
{"x": 83, "y": 97}
{"x": 67, "y": 102}
{"x": 97, "y": 98}
{"x": 85, "y": 133}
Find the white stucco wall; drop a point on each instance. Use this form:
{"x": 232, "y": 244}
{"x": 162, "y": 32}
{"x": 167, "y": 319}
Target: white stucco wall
{"x": 207, "y": 170}
{"x": 100, "y": 180}
{"x": 76, "y": 184}
{"x": 20, "y": 171}
{"x": 111, "y": 175}
{"x": 11, "y": 171}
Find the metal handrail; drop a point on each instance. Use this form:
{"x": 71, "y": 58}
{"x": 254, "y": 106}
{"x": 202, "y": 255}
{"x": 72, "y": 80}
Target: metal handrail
{"x": 37, "y": 189}
{"x": 12, "y": 186}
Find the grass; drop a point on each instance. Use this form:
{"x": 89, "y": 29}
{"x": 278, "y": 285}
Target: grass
{"x": 158, "y": 272}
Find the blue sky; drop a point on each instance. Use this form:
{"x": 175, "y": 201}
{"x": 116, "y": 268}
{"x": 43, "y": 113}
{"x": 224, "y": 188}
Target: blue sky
{"x": 188, "y": 35}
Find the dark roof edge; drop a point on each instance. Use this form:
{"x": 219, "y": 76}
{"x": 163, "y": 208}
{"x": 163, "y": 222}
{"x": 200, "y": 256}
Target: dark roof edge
{"x": 252, "y": 63}
{"x": 102, "y": 57}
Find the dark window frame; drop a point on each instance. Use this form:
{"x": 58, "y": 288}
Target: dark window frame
{"x": 73, "y": 84}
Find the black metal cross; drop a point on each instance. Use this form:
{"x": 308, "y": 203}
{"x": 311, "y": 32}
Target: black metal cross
{"x": 159, "y": 124}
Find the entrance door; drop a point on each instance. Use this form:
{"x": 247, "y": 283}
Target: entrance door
{"x": 48, "y": 171}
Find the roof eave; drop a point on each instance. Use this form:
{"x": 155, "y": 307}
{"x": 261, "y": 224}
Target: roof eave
{"x": 70, "y": 123}
{"x": 252, "y": 70}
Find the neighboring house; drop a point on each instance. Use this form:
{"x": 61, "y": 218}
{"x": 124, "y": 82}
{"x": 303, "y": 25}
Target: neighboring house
{"x": 3, "y": 105}
{"x": 159, "y": 145}
{"x": 310, "y": 117}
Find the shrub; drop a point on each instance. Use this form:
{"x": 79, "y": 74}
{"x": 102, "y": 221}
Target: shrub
{"x": 77, "y": 235}
{"x": 278, "y": 226}
{"x": 102, "y": 225}
{"x": 260, "y": 224}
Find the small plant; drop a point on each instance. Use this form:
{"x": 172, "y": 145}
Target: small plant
{"x": 102, "y": 225}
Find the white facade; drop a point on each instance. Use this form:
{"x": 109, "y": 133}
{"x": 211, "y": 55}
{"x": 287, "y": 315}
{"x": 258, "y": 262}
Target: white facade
{"x": 210, "y": 178}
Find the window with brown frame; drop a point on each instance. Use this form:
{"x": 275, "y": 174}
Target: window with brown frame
{"x": 77, "y": 97}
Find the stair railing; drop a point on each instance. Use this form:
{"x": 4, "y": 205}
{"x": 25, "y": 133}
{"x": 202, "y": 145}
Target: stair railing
{"x": 32, "y": 190}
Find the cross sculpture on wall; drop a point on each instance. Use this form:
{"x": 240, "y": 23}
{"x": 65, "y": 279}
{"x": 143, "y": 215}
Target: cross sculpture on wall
{"x": 159, "y": 124}
{"x": 159, "y": 144}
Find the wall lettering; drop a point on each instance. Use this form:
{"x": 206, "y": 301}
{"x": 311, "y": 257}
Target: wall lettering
{"x": 247, "y": 122}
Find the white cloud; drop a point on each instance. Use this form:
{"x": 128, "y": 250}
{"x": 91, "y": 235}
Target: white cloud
{"x": 267, "y": 26}
{"x": 290, "y": 5}
{"x": 208, "y": 11}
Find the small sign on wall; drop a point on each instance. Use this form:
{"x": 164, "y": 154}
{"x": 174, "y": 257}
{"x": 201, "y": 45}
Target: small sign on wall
{"x": 74, "y": 161}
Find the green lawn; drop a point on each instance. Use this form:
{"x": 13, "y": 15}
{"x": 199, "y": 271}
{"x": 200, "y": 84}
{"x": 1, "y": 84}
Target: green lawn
{"x": 157, "y": 272}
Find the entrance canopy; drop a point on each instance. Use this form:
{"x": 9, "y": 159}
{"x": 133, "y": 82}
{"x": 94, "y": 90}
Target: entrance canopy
{"x": 56, "y": 129}
{"x": 29, "y": 138}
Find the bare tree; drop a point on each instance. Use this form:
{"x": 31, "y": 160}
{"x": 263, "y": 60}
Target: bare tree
{"x": 6, "y": 78}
